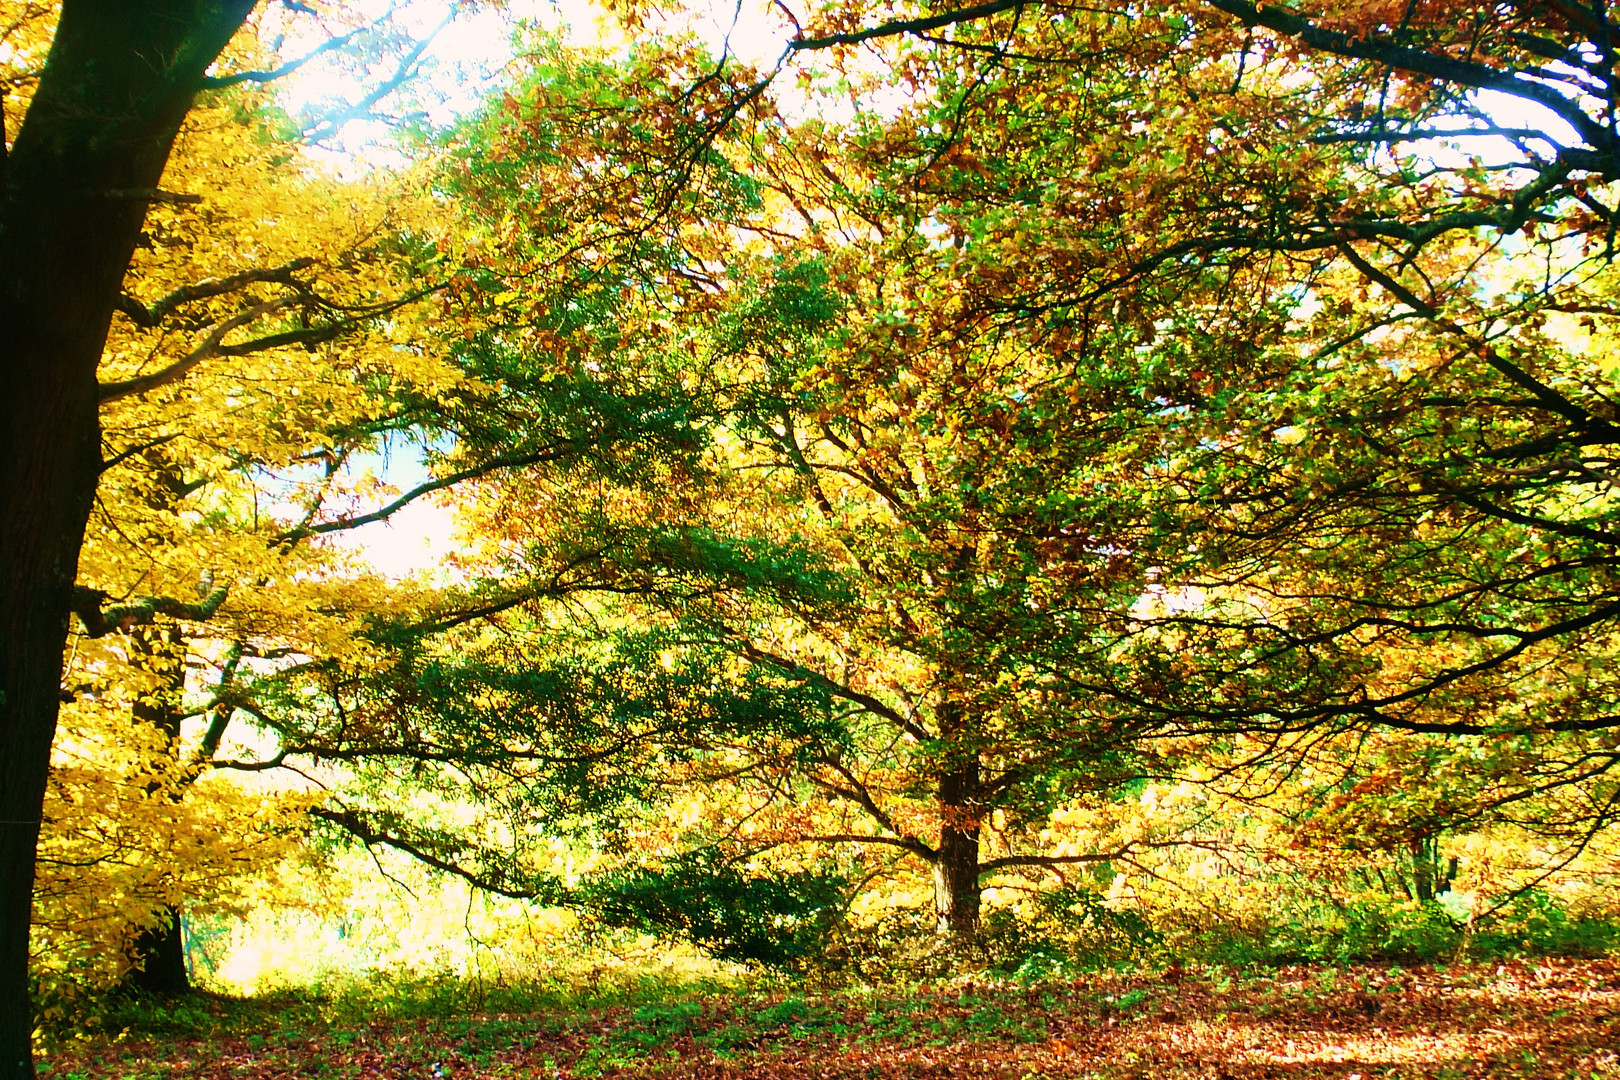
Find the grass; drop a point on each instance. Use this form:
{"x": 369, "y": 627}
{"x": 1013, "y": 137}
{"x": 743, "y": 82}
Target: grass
{"x": 1548, "y": 1018}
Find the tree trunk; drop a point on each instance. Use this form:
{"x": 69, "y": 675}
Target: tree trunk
{"x": 956, "y": 881}
{"x": 117, "y": 83}
{"x": 1422, "y": 870}
{"x": 160, "y": 953}
{"x": 1428, "y": 876}
{"x": 956, "y": 866}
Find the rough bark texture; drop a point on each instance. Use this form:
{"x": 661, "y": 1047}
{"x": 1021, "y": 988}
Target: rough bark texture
{"x": 956, "y": 866}
{"x": 117, "y": 83}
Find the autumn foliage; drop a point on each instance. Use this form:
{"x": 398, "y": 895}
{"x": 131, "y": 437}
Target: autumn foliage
{"x": 1017, "y": 488}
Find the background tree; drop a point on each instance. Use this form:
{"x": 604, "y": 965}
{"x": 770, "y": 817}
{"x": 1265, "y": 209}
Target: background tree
{"x": 1424, "y": 382}
{"x": 1229, "y": 174}
{"x": 231, "y": 401}
{"x": 830, "y": 319}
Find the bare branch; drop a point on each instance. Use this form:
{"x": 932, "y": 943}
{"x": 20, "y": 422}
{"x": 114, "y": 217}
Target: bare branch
{"x": 387, "y": 511}
{"x": 1460, "y": 72}
{"x": 138, "y": 448}
{"x": 907, "y": 26}
{"x": 1069, "y": 860}
{"x": 906, "y": 843}
{"x": 210, "y": 347}
{"x": 358, "y": 827}
{"x": 331, "y": 125}
{"x": 150, "y": 315}
{"x": 837, "y": 689}
{"x": 860, "y": 795}
{"x": 147, "y": 194}
{"x": 217, "y": 82}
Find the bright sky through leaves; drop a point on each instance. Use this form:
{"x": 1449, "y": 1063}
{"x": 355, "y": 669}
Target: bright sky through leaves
{"x": 465, "y": 59}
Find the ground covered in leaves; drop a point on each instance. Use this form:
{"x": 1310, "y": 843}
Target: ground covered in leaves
{"x": 1533, "y": 1018}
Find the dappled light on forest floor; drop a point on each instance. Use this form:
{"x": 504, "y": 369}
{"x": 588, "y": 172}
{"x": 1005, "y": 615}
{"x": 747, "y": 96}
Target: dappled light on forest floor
{"x": 1544, "y": 1018}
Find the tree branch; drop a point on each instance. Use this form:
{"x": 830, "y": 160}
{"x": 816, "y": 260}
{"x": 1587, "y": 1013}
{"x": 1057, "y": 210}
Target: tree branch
{"x": 1069, "y": 860}
{"x": 150, "y": 315}
{"x": 907, "y": 843}
{"x": 331, "y": 125}
{"x": 99, "y": 621}
{"x": 858, "y": 794}
{"x": 147, "y": 194}
{"x": 219, "y": 82}
{"x": 1459, "y": 72}
{"x": 210, "y": 347}
{"x": 906, "y": 26}
{"x": 837, "y": 689}
{"x": 384, "y": 512}
{"x": 352, "y": 823}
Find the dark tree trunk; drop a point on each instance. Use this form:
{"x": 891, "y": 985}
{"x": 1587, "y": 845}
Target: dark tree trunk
{"x": 1423, "y": 869}
{"x": 956, "y": 866}
{"x": 956, "y": 881}
{"x": 162, "y": 955}
{"x": 117, "y": 83}
{"x": 1430, "y": 880}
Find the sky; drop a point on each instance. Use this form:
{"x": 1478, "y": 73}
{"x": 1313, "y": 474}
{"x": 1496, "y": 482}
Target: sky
{"x": 466, "y": 56}
{"x": 468, "y": 52}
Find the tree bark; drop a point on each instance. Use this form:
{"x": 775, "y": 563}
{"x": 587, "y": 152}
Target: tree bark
{"x": 116, "y": 85}
{"x": 160, "y": 952}
{"x": 1422, "y": 870}
{"x": 956, "y": 866}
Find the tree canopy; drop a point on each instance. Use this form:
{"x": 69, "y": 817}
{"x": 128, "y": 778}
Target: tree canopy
{"x": 1038, "y": 445}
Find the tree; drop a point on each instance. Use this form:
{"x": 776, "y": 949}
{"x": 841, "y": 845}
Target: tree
{"x": 1404, "y": 519}
{"x": 1250, "y": 124}
{"x": 85, "y": 165}
{"x": 135, "y": 834}
{"x": 103, "y": 109}
{"x": 1419, "y": 544}
{"x": 1357, "y": 506}
{"x": 893, "y": 494}
{"x": 1252, "y": 183}
{"x": 245, "y": 365}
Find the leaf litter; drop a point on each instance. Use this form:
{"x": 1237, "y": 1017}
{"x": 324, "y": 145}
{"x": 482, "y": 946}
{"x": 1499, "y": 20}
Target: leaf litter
{"x": 1521, "y": 1018}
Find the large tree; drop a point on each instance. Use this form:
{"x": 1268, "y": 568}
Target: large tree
{"x": 119, "y": 78}
{"x": 1195, "y": 172}
{"x": 906, "y": 487}
{"x": 104, "y": 105}
{"x": 84, "y": 168}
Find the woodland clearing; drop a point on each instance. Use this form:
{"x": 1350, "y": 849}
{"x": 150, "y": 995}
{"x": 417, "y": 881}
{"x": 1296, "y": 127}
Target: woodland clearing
{"x": 1529, "y": 1018}
{"x": 1021, "y": 488}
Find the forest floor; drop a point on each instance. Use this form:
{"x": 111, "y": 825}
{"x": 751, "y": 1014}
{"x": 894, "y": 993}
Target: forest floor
{"x": 1521, "y": 1018}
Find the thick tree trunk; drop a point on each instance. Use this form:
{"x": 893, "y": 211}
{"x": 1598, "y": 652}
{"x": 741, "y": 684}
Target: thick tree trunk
{"x": 160, "y": 951}
{"x": 956, "y": 881}
{"x": 117, "y": 83}
{"x": 956, "y": 866}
